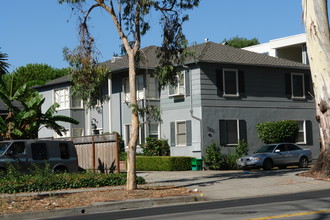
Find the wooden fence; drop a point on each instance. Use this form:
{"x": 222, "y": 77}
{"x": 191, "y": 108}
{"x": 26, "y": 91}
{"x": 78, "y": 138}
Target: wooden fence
{"x": 97, "y": 153}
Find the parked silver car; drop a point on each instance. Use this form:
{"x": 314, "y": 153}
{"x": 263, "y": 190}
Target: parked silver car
{"x": 276, "y": 155}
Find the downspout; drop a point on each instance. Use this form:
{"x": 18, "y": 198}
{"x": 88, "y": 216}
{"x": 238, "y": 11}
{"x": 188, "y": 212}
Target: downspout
{"x": 109, "y": 103}
{"x": 192, "y": 111}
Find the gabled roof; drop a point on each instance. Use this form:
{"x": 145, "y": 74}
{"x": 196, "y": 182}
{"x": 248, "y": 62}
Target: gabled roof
{"x": 218, "y": 53}
{"x": 208, "y": 52}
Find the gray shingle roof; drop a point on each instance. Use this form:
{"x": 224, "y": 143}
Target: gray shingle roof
{"x": 212, "y": 53}
{"x": 208, "y": 52}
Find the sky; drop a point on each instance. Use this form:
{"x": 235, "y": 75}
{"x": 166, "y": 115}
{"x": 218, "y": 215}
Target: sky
{"x": 36, "y": 31}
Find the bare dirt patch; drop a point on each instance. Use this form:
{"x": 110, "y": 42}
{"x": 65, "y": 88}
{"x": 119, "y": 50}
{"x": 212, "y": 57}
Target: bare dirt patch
{"x": 18, "y": 204}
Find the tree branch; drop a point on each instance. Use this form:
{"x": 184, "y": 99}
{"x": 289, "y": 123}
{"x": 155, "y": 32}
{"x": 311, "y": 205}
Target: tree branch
{"x": 117, "y": 23}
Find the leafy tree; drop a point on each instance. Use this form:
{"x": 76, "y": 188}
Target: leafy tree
{"x": 315, "y": 14}
{"x": 30, "y": 72}
{"x": 25, "y": 117}
{"x": 130, "y": 20}
{"x": 240, "y": 42}
{"x": 3, "y": 63}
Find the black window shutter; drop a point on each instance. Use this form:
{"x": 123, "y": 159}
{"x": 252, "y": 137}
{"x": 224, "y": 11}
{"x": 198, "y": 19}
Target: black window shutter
{"x": 187, "y": 82}
{"x": 309, "y": 132}
{"x": 288, "y": 90}
{"x": 219, "y": 78}
{"x": 188, "y": 133}
{"x": 172, "y": 128}
{"x": 241, "y": 83}
{"x": 307, "y": 79}
{"x": 242, "y": 130}
{"x": 223, "y": 133}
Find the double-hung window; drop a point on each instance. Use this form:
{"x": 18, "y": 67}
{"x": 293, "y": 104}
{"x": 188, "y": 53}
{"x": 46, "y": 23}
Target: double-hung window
{"x": 298, "y": 85}
{"x": 178, "y": 89}
{"x": 153, "y": 130}
{"x": 231, "y": 131}
{"x": 139, "y": 86}
{"x": 230, "y": 85}
{"x": 301, "y": 137}
{"x": 181, "y": 133}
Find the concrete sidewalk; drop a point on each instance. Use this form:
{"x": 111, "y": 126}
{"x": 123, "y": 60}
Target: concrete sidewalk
{"x": 224, "y": 185}
{"x": 211, "y": 185}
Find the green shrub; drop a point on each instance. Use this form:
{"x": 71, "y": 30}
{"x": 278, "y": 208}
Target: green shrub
{"x": 162, "y": 163}
{"x": 278, "y": 131}
{"x": 156, "y": 147}
{"x": 216, "y": 160}
{"x": 213, "y": 157}
{"x": 43, "y": 180}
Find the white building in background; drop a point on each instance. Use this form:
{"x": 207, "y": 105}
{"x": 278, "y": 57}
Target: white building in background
{"x": 291, "y": 48}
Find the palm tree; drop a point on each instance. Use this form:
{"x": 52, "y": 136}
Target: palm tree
{"x": 3, "y": 63}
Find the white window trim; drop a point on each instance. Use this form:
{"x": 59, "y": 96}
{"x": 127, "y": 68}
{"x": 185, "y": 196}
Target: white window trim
{"x": 81, "y": 129}
{"x": 54, "y": 98}
{"x": 139, "y": 142}
{"x": 176, "y": 133}
{"x": 158, "y": 129}
{"x": 303, "y": 87}
{"x": 238, "y": 134}
{"x": 304, "y": 132}
{"x": 224, "y": 83}
{"x": 126, "y": 96}
{"x": 178, "y": 86}
{"x": 70, "y": 104}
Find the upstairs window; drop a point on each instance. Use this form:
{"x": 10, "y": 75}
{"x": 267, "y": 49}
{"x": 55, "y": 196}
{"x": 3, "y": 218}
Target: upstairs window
{"x": 230, "y": 83}
{"x": 178, "y": 89}
{"x": 62, "y": 97}
{"x": 152, "y": 88}
{"x": 230, "y": 79}
{"x": 297, "y": 86}
{"x": 139, "y": 86}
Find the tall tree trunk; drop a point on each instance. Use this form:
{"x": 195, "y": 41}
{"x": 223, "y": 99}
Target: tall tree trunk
{"x": 131, "y": 153}
{"x": 318, "y": 48}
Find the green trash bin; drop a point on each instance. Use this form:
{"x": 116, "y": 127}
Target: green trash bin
{"x": 196, "y": 164}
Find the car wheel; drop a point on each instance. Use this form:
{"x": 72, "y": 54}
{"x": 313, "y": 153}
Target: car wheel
{"x": 60, "y": 169}
{"x": 268, "y": 164}
{"x": 303, "y": 162}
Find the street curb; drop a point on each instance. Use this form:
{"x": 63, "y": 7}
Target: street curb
{"x": 99, "y": 207}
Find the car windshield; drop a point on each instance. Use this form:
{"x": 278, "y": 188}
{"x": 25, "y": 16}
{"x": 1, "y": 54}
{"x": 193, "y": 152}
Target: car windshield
{"x": 266, "y": 149}
{"x": 3, "y": 147}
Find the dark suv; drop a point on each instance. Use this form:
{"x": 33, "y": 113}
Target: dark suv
{"x": 60, "y": 155}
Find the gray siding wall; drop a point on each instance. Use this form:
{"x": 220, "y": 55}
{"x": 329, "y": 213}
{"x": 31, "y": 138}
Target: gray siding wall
{"x": 179, "y": 109}
{"x": 264, "y": 100}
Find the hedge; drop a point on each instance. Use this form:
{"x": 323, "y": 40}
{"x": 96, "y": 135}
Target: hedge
{"x": 162, "y": 163}
{"x": 37, "y": 183}
{"x": 278, "y": 131}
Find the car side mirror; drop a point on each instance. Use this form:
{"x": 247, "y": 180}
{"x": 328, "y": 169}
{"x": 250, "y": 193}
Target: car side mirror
{"x": 277, "y": 150}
